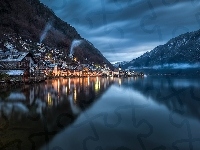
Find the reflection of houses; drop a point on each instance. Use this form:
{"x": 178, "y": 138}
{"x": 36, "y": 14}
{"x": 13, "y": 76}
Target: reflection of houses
{"x": 116, "y": 72}
{"x": 18, "y": 103}
{"x": 16, "y": 61}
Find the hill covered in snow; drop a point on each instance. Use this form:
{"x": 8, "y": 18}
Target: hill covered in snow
{"x": 181, "y": 52}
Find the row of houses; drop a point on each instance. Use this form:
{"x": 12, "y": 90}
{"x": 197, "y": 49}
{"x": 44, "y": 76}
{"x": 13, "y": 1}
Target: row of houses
{"x": 119, "y": 72}
{"x": 24, "y": 64}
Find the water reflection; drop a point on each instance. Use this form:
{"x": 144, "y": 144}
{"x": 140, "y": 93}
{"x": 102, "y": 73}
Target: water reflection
{"x": 80, "y": 92}
{"x": 138, "y": 113}
{"x": 54, "y": 104}
{"x": 177, "y": 94}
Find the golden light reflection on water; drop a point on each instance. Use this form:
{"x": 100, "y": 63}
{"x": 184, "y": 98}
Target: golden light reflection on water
{"x": 58, "y": 86}
{"x": 120, "y": 81}
{"x": 77, "y": 88}
{"x": 49, "y": 92}
{"x": 69, "y": 83}
{"x": 75, "y": 94}
{"x": 97, "y": 85}
{"x": 88, "y": 80}
{"x": 49, "y": 99}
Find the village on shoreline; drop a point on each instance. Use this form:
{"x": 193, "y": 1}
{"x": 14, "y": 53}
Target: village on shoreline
{"x": 20, "y": 67}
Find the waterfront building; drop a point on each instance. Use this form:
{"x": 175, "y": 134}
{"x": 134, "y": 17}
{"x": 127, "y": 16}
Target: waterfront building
{"x": 15, "y": 62}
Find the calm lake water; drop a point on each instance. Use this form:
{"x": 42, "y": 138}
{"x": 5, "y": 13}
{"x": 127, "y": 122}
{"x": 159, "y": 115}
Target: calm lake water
{"x": 150, "y": 113}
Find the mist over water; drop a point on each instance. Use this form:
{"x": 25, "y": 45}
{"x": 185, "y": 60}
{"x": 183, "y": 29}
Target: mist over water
{"x": 177, "y": 66}
{"x": 45, "y": 31}
{"x": 172, "y": 66}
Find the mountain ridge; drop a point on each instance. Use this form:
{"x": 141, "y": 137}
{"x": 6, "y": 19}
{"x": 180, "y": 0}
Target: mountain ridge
{"x": 27, "y": 20}
{"x": 183, "y": 49}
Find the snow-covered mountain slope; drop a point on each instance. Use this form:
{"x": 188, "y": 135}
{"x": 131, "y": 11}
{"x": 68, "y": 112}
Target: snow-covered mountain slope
{"x": 182, "y": 50}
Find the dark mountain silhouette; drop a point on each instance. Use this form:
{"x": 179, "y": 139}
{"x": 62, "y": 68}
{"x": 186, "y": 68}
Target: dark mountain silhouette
{"x": 25, "y": 21}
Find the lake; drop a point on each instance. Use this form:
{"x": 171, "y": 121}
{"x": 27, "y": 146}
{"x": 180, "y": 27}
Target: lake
{"x": 153, "y": 112}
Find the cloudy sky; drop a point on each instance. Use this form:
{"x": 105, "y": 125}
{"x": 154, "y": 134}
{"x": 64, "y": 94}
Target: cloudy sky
{"x": 125, "y": 29}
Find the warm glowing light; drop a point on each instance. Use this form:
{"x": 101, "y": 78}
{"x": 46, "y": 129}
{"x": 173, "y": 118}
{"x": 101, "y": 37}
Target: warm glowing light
{"x": 69, "y": 83}
{"x": 58, "y": 86}
{"x": 120, "y": 81}
{"x": 49, "y": 99}
{"x": 55, "y": 84}
{"x": 97, "y": 85}
{"x": 88, "y": 81}
{"x": 112, "y": 77}
{"x": 75, "y": 94}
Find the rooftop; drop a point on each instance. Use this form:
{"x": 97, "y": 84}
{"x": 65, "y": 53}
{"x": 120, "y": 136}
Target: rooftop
{"x": 8, "y": 56}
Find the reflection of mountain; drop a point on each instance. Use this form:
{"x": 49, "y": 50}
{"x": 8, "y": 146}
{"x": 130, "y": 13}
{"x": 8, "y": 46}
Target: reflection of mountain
{"x": 68, "y": 97}
{"x": 179, "y": 95}
{"x": 79, "y": 92}
{"x": 53, "y": 104}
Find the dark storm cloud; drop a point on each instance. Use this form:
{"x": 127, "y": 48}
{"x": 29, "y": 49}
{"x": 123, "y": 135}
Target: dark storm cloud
{"x": 125, "y": 29}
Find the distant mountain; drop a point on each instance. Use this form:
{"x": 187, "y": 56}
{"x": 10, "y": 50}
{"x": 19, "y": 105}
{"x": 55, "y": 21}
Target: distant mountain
{"x": 181, "y": 51}
{"x": 32, "y": 21}
{"x": 120, "y": 63}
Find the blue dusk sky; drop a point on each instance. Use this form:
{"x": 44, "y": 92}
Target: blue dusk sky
{"x": 125, "y": 29}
